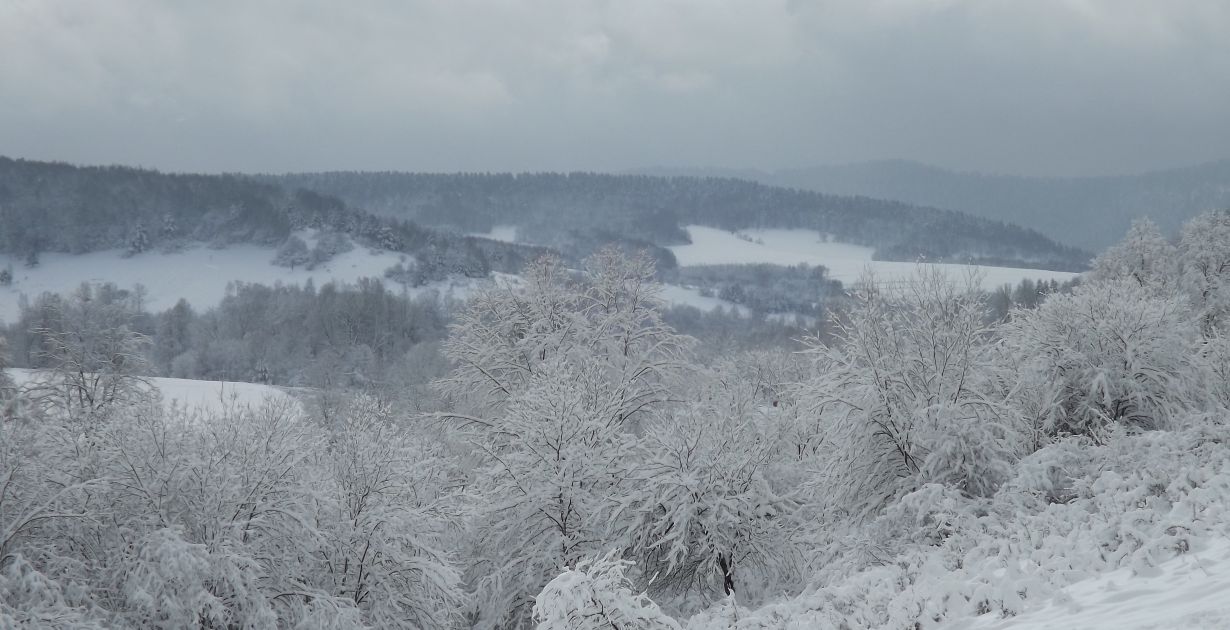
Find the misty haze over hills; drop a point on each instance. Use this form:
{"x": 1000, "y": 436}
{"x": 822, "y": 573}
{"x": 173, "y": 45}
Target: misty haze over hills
{"x": 1085, "y": 212}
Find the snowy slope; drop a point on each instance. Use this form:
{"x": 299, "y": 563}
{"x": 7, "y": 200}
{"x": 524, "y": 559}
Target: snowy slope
{"x": 203, "y": 396}
{"x": 846, "y": 262}
{"x": 675, "y": 294}
{"x": 505, "y": 233}
{"x": 1191, "y": 591}
{"x": 199, "y": 275}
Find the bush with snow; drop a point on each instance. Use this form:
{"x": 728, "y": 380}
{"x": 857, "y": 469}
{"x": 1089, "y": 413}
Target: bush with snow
{"x": 907, "y": 394}
{"x": 1110, "y": 353}
{"x": 597, "y": 595}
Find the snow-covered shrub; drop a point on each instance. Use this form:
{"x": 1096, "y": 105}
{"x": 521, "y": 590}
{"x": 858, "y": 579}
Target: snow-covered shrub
{"x": 597, "y": 595}
{"x": 253, "y": 518}
{"x": 908, "y": 394}
{"x": 328, "y": 245}
{"x": 1107, "y": 354}
{"x": 404, "y": 273}
{"x": 171, "y": 583}
{"x": 1072, "y": 510}
{"x": 29, "y": 599}
{"x": 293, "y": 253}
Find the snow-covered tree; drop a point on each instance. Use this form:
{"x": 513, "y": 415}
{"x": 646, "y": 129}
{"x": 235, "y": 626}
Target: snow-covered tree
{"x": 328, "y": 245}
{"x": 139, "y": 241}
{"x": 1110, "y": 353}
{"x": 554, "y": 459}
{"x": 389, "y": 536}
{"x": 907, "y": 394}
{"x": 709, "y": 511}
{"x": 701, "y": 516}
{"x": 1215, "y": 352}
{"x": 1205, "y": 252}
{"x": 552, "y": 379}
{"x": 293, "y": 252}
{"x": 609, "y": 317}
{"x": 1144, "y": 256}
{"x": 6, "y": 383}
{"x": 96, "y": 357}
{"x": 220, "y": 507}
{"x": 42, "y": 493}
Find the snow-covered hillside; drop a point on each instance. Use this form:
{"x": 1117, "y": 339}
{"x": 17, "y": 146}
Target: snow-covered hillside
{"x": 846, "y": 262}
{"x": 505, "y": 233}
{"x": 191, "y": 395}
{"x": 1190, "y": 592}
{"x": 198, "y": 274}
{"x": 201, "y": 274}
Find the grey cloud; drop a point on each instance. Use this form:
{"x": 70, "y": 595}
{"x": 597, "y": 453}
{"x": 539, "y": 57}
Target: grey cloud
{"x": 1045, "y": 86}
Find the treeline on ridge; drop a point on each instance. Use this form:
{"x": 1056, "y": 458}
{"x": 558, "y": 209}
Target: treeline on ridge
{"x": 56, "y": 207}
{"x": 557, "y": 209}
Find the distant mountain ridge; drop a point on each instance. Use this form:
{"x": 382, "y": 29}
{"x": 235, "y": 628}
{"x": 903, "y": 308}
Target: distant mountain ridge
{"x": 1086, "y": 212}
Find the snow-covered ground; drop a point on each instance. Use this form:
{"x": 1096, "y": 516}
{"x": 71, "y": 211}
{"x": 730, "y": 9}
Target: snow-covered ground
{"x": 1191, "y": 592}
{"x": 203, "y": 396}
{"x": 846, "y": 262}
{"x": 198, "y": 274}
{"x": 505, "y": 233}
{"x": 675, "y": 294}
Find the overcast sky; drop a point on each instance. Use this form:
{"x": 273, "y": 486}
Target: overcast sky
{"x": 1027, "y": 86}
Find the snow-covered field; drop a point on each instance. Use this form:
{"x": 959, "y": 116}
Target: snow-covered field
{"x": 846, "y": 262}
{"x": 1191, "y": 592}
{"x": 505, "y": 233}
{"x": 203, "y": 396}
{"x": 675, "y": 294}
{"x": 199, "y": 274}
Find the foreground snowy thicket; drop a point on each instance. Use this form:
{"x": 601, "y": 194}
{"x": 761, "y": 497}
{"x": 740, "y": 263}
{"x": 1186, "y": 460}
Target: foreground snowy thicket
{"x": 926, "y": 467}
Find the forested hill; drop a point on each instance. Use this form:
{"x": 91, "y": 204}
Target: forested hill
{"x": 1088, "y": 212}
{"x": 56, "y": 207}
{"x": 561, "y": 210}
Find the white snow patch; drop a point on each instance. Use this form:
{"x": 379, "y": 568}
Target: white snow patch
{"x": 845, "y": 262}
{"x": 505, "y": 233}
{"x": 686, "y": 296}
{"x": 199, "y": 274}
{"x": 1191, "y": 591}
{"x": 191, "y": 395}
